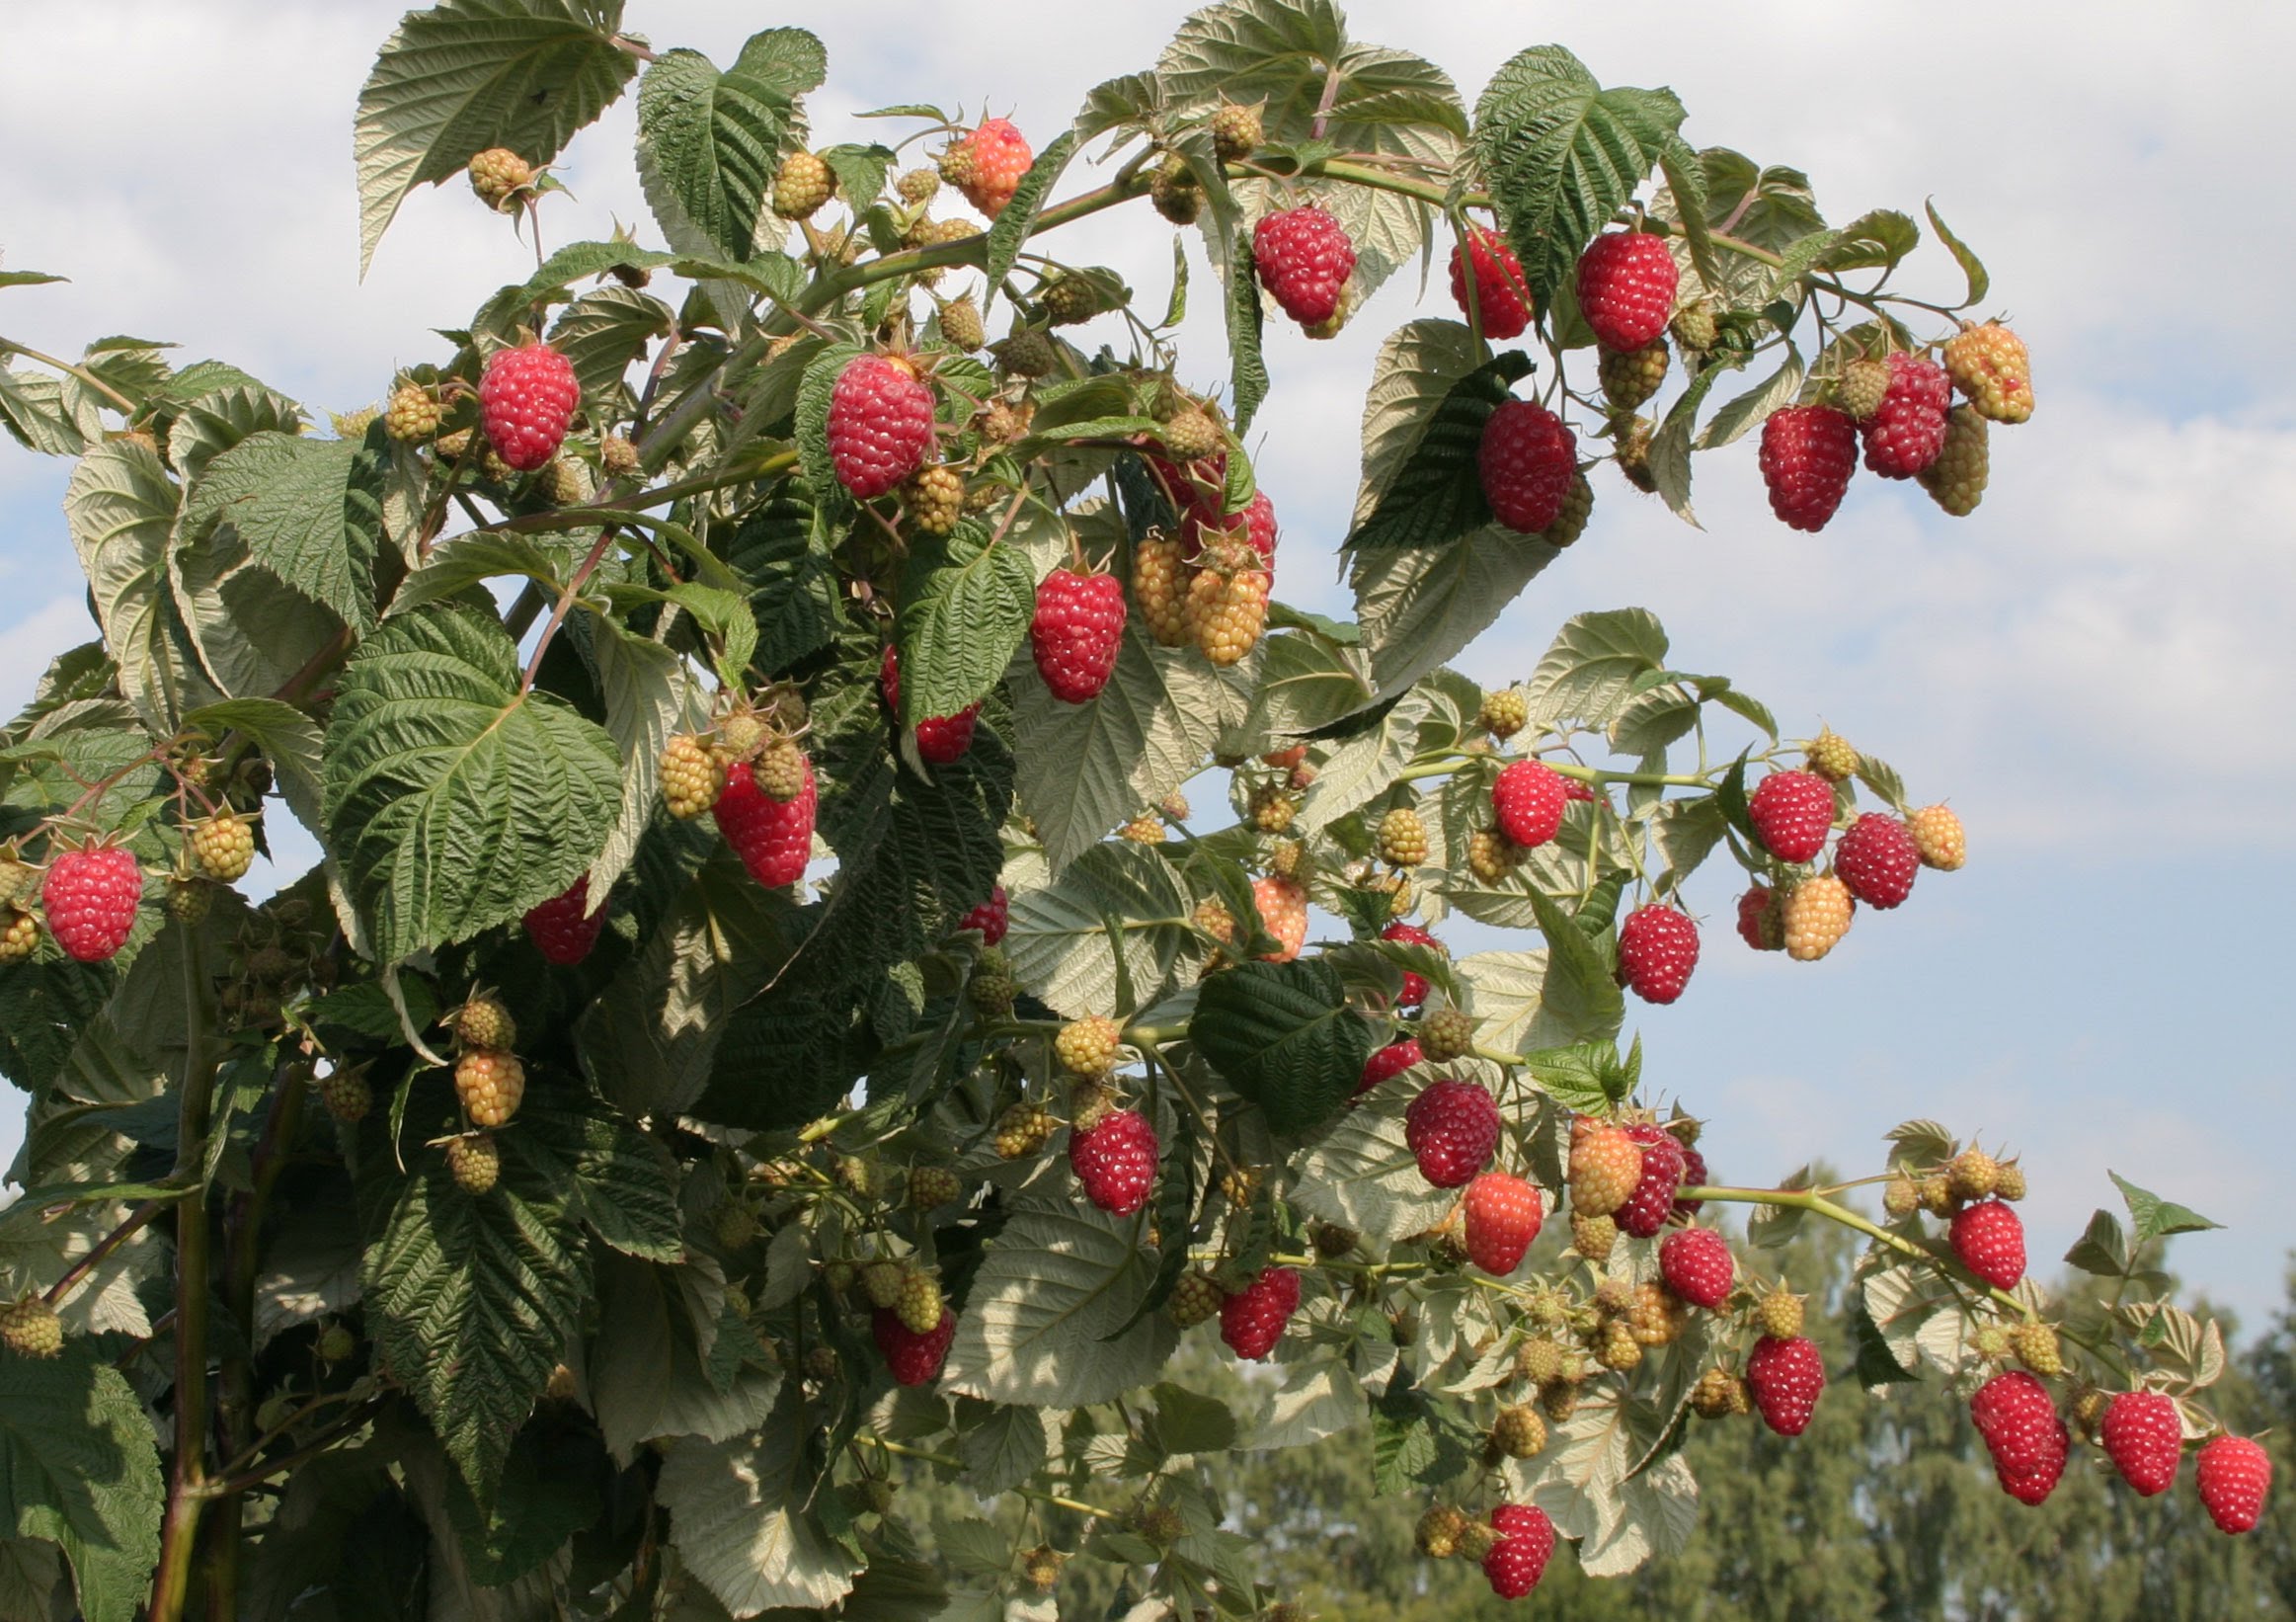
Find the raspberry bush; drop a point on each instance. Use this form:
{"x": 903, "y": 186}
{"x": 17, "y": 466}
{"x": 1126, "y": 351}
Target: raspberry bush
{"x": 605, "y": 1209}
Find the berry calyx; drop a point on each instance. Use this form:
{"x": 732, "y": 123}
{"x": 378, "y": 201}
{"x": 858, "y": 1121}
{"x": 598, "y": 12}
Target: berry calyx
{"x": 1626, "y": 281}
{"x": 1499, "y": 294}
{"x": 1077, "y": 633}
{"x": 564, "y": 929}
{"x": 1303, "y": 258}
{"x": 1527, "y": 801}
{"x": 1808, "y": 453}
{"x": 1788, "y": 1377}
{"x": 2144, "y": 1436}
{"x": 1252, "y": 1319}
{"x": 880, "y": 427}
{"x": 1452, "y": 1129}
{"x": 1116, "y": 1160}
{"x": 526, "y": 398}
{"x": 1792, "y": 812}
{"x": 1526, "y": 460}
{"x": 1658, "y": 949}
{"x": 1698, "y": 1266}
{"x": 1503, "y": 1215}
{"x": 89, "y": 897}
{"x": 2233, "y": 1474}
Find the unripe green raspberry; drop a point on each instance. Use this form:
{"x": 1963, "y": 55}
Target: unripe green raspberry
{"x": 1632, "y": 452}
{"x": 1069, "y": 300}
{"x": 1476, "y": 1539}
{"x": 1504, "y": 713}
{"x": 20, "y": 933}
{"x": 859, "y": 1175}
{"x": 930, "y": 1188}
{"x": 802, "y": 184}
{"x": 484, "y": 1023}
{"x": 499, "y": 175}
{"x": 1957, "y": 479}
{"x": 1780, "y": 1314}
{"x": 821, "y": 1365}
{"x": 935, "y": 498}
{"x": 1593, "y": 1237}
{"x": 917, "y": 186}
{"x": 1330, "y": 1238}
{"x": 1236, "y": 132}
{"x": 877, "y": 1495}
{"x": 1272, "y": 808}
{"x": 1402, "y": 838}
{"x": 1570, "y": 522}
{"x": 992, "y": 987}
{"x": 224, "y": 845}
{"x": 1446, "y": 1035}
{"x": 413, "y": 414}
{"x": 30, "y": 1327}
{"x": 1440, "y": 1530}
{"x": 1539, "y": 1360}
{"x": 918, "y": 1302}
{"x": 618, "y": 456}
{"x": 1518, "y": 1433}
{"x": 493, "y": 468}
{"x": 1973, "y": 1174}
{"x": 1559, "y": 1401}
{"x": 1694, "y": 327}
{"x": 1860, "y": 387}
{"x": 474, "y": 1162}
{"x": 1190, "y": 434}
{"x": 1028, "y": 353}
{"x": 1831, "y": 755}
{"x": 346, "y": 1095}
{"x": 2035, "y": 1346}
{"x": 1175, "y": 192}
{"x": 564, "y": 483}
{"x": 881, "y": 1281}
{"x": 352, "y": 425}
{"x": 1990, "y": 1341}
{"x": 1145, "y": 828}
{"x": 1618, "y": 1351}
{"x": 1239, "y": 1185}
{"x": 1901, "y": 1197}
{"x": 2009, "y": 1181}
{"x": 693, "y": 776}
{"x": 1160, "y": 1524}
{"x": 961, "y": 326}
{"x": 1041, "y": 1566}
{"x": 1936, "y": 1195}
{"x": 733, "y": 1223}
{"x": 1195, "y": 1299}
{"x": 779, "y": 771}
{"x": 1088, "y": 1046}
{"x": 1288, "y": 859}
{"x": 1719, "y": 1393}
{"x": 1632, "y": 376}
{"x": 1023, "y": 1129}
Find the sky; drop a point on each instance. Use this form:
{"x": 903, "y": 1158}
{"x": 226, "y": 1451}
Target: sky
{"x": 2092, "y": 668}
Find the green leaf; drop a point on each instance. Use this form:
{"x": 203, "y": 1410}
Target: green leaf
{"x": 1752, "y": 409}
{"x": 214, "y": 423}
{"x": 475, "y": 1299}
{"x": 1283, "y": 1035}
{"x": 1770, "y": 207}
{"x": 468, "y": 75}
{"x": 28, "y": 278}
{"x": 860, "y": 172}
{"x": 1437, "y": 495}
{"x": 708, "y": 143}
{"x": 2101, "y": 1248}
{"x": 1419, "y": 607}
{"x": 1580, "y": 991}
{"x": 1247, "y": 367}
{"x": 76, "y": 1455}
{"x": 120, "y": 508}
{"x": 1005, "y": 1448}
{"x": 1575, "y": 1076}
{"x": 1878, "y": 239}
{"x": 1971, "y": 266}
{"x": 650, "y": 697}
{"x": 1057, "y": 1278}
{"x": 34, "y": 410}
{"x": 1018, "y": 220}
{"x": 463, "y": 561}
{"x": 2153, "y": 1217}
{"x": 1059, "y": 942}
{"x": 1670, "y": 447}
{"x": 1562, "y": 154}
{"x": 308, "y": 510}
{"x": 1188, "y": 1421}
{"x": 288, "y": 739}
{"x": 793, "y": 584}
{"x": 744, "y": 1515}
{"x": 1361, "y": 1175}
{"x": 602, "y": 334}
{"x": 964, "y": 606}
{"x": 648, "y": 1361}
{"x": 1588, "y": 672}
{"x": 455, "y": 801}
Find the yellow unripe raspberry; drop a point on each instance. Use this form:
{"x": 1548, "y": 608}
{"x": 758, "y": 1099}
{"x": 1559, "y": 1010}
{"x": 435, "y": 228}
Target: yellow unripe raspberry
{"x": 693, "y": 776}
{"x": 1817, "y": 915}
{"x": 1088, "y": 1046}
{"x": 1832, "y": 755}
{"x": 1158, "y": 591}
{"x": 499, "y": 175}
{"x": 934, "y": 499}
{"x": 1227, "y": 606}
{"x": 802, "y": 184}
{"x": 414, "y": 413}
{"x": 1937, "y": 834}
{"x": 1990, "y": 364}
{"x": 490, "y": 1085}
{"x": 474, "y": 1162}
{"x": 224, "y": 845}
{"x": 1402, "y": 838}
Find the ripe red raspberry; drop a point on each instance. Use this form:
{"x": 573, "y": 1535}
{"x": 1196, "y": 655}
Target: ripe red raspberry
{"x": 1116, "y": 1160}
{"x": 1252, "y": 1319}
{"x": 558, "y": 928}
{"x": 1303, "y": 258}
{"x": 1907, "y": 430}
{"x": 880, "y": 425}
{"x": 1452, "y": 1128}
{"x": 1694, "y": 1176}
{"x": 1527, "y": 461}
{"x": 1282, "y": 907}
{"x": 914, "y": 1359}
{"x": 1652, "y": 1201}
{"x": 1526, "y": 800}
{"x": 988, "y": 164}
{"x": 526, "y": 398}
{"x": 940, "y": 739}
{"x": 2145, "y": 1439}
{"x": 1699, "y": 1267}
{"x": 1503, "y": 1214}
{"x": 1514, "y": 1564}
{"x": 1386, "y": 1063}
{"x": 1808, "y": 453}
{"x": 1791, "y": 812}
{"x": 2020, "y": 1428}
{"x": 1414, "y": 985}
{"x": 1878, "y": 861}
{"x": 1500, "y": 292}
{"x": 1760, "y": 922}
{"x": 91, "y": 897}
{"x": 2232, "y": 1475}
{"x": 1788, "y": 1376}
{"x": 773, "y": 837}
{"x": 992, "y": 918}
{"x": 1626, "y": 281}
{"x": 1658, "y": 947}
{"x": 1077, "y": 632}
{"x": 1990, "y": 1239}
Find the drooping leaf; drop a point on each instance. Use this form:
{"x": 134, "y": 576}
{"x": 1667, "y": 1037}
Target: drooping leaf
{"x": 708, "y": 143}
{"x": 464, "y": 76}
{"x": 214, "y": 423}
{"x": 1058, "y": 939}
{"x": 309, "y": 511}
{"x": 964, "y": 606}
{"x": 455, "y": 800}
{"x": 1283, "y": 1035}
{"x": 120, "y": 507}
{"x": 1017, "y": 219}
{"x": 744, "y": 1519}
{"x": 76, "y": 1454}
{"x": 1435, "y": 493}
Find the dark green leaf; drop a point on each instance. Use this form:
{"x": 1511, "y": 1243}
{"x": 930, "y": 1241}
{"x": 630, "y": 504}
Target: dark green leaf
{"x": 965, "y": 605}
{"x": 1579, "y": 991}
{"x": 2100, "y": 1250}
{"x": 76, "y": 1453}
{"x": 2153, "y": 1217}
{"x": 1437, "y": 495}
{"x": 1971, "y": 266}
{"x": 708, "y": 143}
{"x": 1247, "y": 369}
{"x": 1283, "y": 1036}
{"x": 1018, "y": 220}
